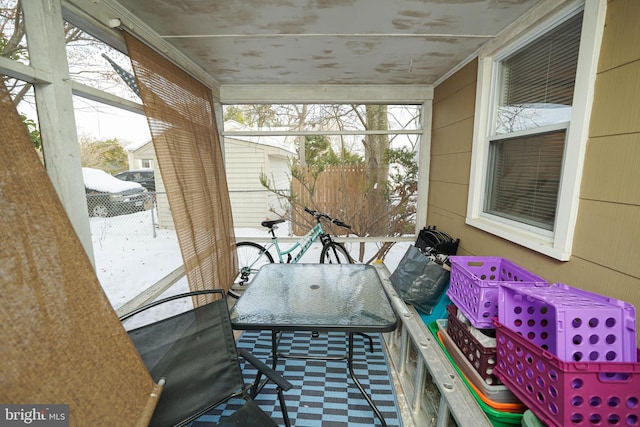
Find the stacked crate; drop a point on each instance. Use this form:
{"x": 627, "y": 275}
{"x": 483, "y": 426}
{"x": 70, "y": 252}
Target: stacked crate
{"x": 474, "y": 285}
{"x": 473, "y": 290}
{"x": 569, "y": 355}
{"x": 507, "y": 414}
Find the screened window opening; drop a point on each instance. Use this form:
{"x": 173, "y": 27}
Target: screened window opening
{"x": 358, "y": 162}
{"x": 534, "y": 91}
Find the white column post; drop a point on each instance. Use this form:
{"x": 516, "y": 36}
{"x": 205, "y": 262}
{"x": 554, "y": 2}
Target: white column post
{"x": 424, "y": 164}
{"x": 46, "y": 43}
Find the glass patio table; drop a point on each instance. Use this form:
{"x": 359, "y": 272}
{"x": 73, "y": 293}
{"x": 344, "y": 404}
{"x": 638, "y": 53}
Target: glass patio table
{"x": 317, "y": 298}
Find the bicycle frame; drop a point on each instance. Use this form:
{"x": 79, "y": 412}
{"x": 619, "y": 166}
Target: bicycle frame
{"x": 331, "y": 251}
{"x": 301, "y": 245}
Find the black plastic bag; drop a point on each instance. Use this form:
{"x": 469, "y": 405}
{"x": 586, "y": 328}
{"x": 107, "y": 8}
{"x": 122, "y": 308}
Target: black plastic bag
{"x": 419, "y": 280}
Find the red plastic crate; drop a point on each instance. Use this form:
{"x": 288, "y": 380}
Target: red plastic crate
{"x": 497, "y": 396}
{"x": 483, "y": 359}
{"x": 573, "y": 324}
{"x": 474, "y": 285}
{"x": 567, "y": 394}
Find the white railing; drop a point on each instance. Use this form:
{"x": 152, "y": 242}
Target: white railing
{"x": 429, "y": 382}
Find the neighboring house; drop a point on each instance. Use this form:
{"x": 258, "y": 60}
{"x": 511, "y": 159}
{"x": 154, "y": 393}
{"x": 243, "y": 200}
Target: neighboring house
{"x": 246, "y": 158}
{"x": 141, "y": 156}
{"x": 144, "y": 156}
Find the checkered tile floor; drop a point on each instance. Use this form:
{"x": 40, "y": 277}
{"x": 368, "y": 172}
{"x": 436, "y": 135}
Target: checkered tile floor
{"x": 323, "y": 394}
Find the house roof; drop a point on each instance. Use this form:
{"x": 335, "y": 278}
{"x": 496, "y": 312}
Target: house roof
{"x": 137, "y": 145}
{"x": 280, "y": 142}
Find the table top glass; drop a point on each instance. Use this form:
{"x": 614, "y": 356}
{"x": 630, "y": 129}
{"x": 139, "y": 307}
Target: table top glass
{"x": 316, "y": 297}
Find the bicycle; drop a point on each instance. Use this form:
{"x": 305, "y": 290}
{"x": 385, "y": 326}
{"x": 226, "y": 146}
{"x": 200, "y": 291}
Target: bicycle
{"x": 252, "y": 256}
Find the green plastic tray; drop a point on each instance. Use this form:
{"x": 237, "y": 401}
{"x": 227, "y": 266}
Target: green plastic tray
{"x": 497, "y": 418}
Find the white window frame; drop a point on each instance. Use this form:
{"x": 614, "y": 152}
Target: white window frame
{"x": 556, "y": 244}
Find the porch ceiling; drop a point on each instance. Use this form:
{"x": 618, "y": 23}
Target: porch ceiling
{"x": 355, "y": 42}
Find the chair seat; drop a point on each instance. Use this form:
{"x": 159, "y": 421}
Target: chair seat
{"x": 194, "y": 354}
{"x": 249, "y": 414}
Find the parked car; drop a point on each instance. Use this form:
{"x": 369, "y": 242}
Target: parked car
{"x": 141, "y": 176}
{"x": 109, "y": 196}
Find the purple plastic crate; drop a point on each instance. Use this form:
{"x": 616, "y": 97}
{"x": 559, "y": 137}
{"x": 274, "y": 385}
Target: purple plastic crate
{"x": 474, "y": 285}
{"x": 563, "y": 394}
{"x": 572, "y": 324}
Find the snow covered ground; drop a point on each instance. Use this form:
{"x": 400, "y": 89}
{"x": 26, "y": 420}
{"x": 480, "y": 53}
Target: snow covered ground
{"x": 129, "y": 258}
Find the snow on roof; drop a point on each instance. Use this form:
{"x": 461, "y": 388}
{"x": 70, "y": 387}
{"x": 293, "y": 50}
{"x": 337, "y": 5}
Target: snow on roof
{"x": 99, "y": 180}
{"x": 273, "y": 141}
{"x": 135, "y": 145}
{"x": 281, "y": 142}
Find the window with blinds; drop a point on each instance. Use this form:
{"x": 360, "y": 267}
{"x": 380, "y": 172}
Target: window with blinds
{"x": 525, "y": 178}
{"x": 532, "y": 114}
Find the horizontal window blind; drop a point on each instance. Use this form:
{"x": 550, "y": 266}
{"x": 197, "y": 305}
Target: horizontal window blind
{"x": 535, "y": 90}
{"x": 544, "y": 71}
{"x": 525, "y": 177}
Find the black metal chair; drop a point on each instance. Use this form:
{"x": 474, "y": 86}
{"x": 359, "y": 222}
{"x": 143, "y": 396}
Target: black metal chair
{"x": 195, "y": 356}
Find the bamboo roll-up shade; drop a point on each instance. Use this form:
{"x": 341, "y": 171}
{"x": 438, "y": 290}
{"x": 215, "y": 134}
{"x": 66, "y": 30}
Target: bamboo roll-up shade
{"x": 61, "y": 341}
{"x": 183, "y": 128}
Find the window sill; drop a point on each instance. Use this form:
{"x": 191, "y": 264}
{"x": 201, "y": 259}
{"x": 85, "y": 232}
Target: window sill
{"x": 528, "y": 239}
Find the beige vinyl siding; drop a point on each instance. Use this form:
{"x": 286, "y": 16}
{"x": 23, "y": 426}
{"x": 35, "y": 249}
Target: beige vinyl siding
{"x": 608, "y": 227}
{"x": 613, "y": 159}
{"x": 451, "y": 140}
{"x": 250, "y": 202}
{"x": 244, "y": 163}
{"x": 606, "y": 246}
{"x": 279, "y": 174}
{"x": 146, "y": 152}
{"x": 165, "y": 220}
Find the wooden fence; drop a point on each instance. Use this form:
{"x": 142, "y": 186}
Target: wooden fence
{"x": 338, "y": 191}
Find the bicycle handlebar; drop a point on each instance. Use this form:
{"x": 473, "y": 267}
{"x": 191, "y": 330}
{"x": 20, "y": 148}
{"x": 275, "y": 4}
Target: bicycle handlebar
{"x": 318, "y": 215}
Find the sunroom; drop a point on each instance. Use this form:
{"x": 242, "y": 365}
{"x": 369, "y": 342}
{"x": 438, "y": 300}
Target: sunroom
{"x": 521, "y": 117}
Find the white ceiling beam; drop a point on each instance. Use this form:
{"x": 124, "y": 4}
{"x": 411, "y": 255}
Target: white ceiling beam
{"x": 340, "y": 35}
{"x": 325, "y": 94}
{"x": 424, "y": 162}
{"x": 46, "y": 44}
{"x": 325, "y": 132}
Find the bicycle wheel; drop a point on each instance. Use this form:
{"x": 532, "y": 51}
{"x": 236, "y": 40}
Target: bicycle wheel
{"x": 251, "y": 256}
{"x": 334, "y": 253}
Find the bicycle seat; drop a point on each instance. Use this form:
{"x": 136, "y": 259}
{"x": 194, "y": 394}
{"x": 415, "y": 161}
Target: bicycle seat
{"x": 270, "y": 224}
